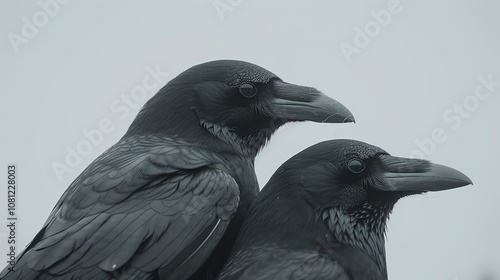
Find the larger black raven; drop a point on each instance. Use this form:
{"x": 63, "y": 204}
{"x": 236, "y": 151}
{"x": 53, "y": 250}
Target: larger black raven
{"x": 175, "y": 188}
{"x": 322, "y": 215}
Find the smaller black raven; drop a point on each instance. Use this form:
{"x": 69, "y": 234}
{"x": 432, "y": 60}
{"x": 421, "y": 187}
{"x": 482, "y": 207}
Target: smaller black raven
{"x": 323, "y": 213}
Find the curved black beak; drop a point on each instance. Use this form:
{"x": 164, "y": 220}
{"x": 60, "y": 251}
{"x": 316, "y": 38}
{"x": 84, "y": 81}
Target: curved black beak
{"x": 405, "y": 174}
{"x": 299, "y": 103}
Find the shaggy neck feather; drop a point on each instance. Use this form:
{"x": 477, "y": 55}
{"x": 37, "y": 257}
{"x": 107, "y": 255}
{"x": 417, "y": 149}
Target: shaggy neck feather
{"x": 248, "y": 146}
{"x": 363, "y": 230}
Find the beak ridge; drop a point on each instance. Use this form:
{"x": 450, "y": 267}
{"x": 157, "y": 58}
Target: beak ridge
{"x": 299, "y": 103}
{"x": 430, "y": 177}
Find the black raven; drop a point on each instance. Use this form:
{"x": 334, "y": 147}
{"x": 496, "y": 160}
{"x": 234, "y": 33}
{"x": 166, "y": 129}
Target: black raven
{"x": 176, "y": 187}
{"x": 323, "y": 214}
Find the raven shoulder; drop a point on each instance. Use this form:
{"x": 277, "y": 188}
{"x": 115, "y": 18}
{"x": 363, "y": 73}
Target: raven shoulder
{"x": 275, "y": 262}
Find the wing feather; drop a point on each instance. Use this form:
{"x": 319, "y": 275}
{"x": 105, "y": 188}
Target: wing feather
{"x": 134, "y": 211}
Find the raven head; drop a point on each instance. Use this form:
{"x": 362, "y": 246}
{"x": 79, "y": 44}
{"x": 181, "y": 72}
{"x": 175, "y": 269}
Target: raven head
{"x": 238, "y": 102}
{"x": 353, "y": 176}
{"x": 244, "y": 103}
{"x": 353, "y": 187}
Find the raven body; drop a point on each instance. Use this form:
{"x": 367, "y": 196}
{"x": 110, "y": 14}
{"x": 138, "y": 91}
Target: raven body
{"x": 175, "y": 189}
{"x": 323, "y": 214}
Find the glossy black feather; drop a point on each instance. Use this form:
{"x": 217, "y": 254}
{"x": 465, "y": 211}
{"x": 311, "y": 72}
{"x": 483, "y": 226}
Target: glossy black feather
{"x": 134, "y": 210}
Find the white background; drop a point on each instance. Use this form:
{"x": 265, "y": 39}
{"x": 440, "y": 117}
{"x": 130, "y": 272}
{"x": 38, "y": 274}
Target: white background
{"x": 65, "y": 78}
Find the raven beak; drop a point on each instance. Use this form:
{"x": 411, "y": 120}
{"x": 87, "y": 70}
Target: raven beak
{"x": 299, "y": 103}
{"x": 405, "y": 174}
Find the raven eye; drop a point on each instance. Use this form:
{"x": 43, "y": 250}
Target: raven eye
{"x": 356, "y": 166}
{"x": 248, "y": 90}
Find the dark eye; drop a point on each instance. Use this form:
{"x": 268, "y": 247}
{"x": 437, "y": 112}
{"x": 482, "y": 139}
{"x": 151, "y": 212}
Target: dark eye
{"x": 356, "y": 165}
{"x": 248, "y": 90}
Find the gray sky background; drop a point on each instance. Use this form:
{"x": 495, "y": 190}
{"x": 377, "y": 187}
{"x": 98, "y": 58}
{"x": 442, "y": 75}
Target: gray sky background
{"x": 403, "y": 86}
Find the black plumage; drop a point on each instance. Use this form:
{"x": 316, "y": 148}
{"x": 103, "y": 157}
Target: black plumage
{"x": 157, "y": 203}
{"x": 323, "y": 214}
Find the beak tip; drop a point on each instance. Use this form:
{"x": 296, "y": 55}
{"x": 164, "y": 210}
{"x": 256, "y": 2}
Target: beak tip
{"x": 469, "y": 181}
{"x": 465, "y": 179}
{"x": 347, "y": 116}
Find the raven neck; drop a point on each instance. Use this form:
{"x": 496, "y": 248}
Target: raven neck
{"x": 365, "y": 232}
{"x": 248, "y": 146}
